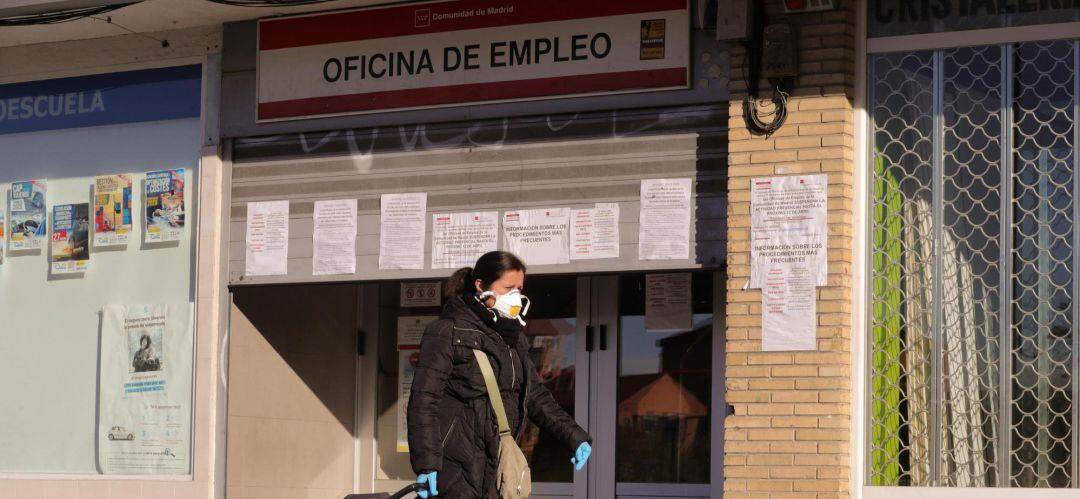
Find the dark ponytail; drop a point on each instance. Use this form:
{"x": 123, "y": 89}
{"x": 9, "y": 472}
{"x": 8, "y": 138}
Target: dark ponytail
{"x": 489, "y": 268}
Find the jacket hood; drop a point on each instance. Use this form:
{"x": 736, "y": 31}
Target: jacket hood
{"x": 456, "y": 309}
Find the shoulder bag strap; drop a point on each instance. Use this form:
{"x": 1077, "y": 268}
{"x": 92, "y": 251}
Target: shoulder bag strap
{"x": 493, "y": 391}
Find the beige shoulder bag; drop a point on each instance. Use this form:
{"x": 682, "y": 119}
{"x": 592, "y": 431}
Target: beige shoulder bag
{"x": 513, "y": 477}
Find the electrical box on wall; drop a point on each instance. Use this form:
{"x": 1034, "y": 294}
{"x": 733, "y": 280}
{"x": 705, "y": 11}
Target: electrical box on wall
{"x": 733, "y": 18}
{"x": 778, "y": 52}
{"x": 799, "y": 6}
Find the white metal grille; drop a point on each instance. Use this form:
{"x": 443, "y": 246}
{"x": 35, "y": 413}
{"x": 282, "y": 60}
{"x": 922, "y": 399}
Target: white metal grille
{"x": 972, "y": 371}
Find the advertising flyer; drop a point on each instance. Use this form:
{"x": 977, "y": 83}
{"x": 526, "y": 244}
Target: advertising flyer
{"x": 788, "y": 310}
{"x": 26, "y": 209}
{"x": 667, "y": 302}
{"x": 410, "y": 329}
{"x": 334, "y": 237}
{"x": 406, "y": 372}
{"x": 144, "y": 420}
{"x": 664, "y": 222}
{"x": 267, "y": 238}
{"x": 789, "y": 226}
{"x": 421, "y": 294}
{"x": 3, "y": 236}
{"x": 112, "y": 210}
{"x": 402, "y": 230}
{"x": 539, "y": 237}
{"x": 458, "y": 239}
{"x": 70, "y": 248}
{"x": 594, "y": 232}
{"x": 164, "y": 206}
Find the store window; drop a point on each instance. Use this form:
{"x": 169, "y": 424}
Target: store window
{"x": 973, "y": 378}
{"x": 98, "y": 183}
{"x": 908, "y": 17}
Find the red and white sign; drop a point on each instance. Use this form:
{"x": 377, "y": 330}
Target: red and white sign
{"x": 468, "y": 51}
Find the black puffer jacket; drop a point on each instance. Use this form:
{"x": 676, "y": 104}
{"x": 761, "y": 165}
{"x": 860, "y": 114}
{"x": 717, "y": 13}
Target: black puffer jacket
{"x": 452, "y": 427}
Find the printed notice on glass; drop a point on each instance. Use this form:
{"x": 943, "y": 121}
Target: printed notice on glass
{"x": 402, "y": 230}
{"x": 410, "y": 329}
{"x": 539, "y": 237}
{"x": 334, "y": 237}
{"x": 112, "y": 210}
{"x": 594, "y": 232}
{"x": 421, "y": 294}
{"x": 144, "y": 419}
{"x": 788, "y": 310}
{"x": 458, "y": 239}
{"x": 667, "y": 302}
{"x": 406, "y": 372}
{"x": 788, "y": 227}
{"x": 70, "y": 248}
{"x": 664, "y": 223}
{"x": 267, "y": 238}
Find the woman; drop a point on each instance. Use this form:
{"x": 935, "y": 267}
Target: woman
{"x": 146, "y": 358}
{"x": 453, "y": 435}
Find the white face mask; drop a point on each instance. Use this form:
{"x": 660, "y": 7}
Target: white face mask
{"x": 510, "y": 305}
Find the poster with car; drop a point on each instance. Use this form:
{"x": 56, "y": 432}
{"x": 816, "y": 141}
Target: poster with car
{"x": 26, "y": 206}
{"x": 112, "y": 210}
{"x": 70, "y": 251}
{"x": 144, "y": 423}
{"x": 164, "y": 205}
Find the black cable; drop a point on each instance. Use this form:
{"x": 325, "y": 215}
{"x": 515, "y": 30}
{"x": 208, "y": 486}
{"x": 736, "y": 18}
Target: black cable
{"x": 756, "y": 119}
{"x": 268, "y": 3}
{"x": 61, "y": 16}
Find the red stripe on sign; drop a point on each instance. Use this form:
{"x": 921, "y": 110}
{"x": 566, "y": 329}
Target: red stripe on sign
{"x": 419, "y": 19}
{"x": 473, "y": 92}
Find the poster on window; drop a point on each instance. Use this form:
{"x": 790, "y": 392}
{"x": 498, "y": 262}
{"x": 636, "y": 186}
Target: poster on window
{"x": 164, "y": 206}
{"x": 410, "y": 329}
{"x": 539, "y": 237}
{"x": 144, "y": 419}
{"x": 664, "y": 219}
{"x": 26, "y": 206}
{"x": 112, "y": 210}
{"x": 458, "y": 239}
{"x": 70, "y": 249}
{"x": 788, "y": 227}
{"x": 402, "y": 219}
{"x": 3, "y": 236}
{"x": 406, "y": 372}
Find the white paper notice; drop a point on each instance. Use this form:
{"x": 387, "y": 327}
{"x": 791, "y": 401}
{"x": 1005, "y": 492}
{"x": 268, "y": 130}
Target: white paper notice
{"x": 539, "y": 237}
{"x": 410, "y": 329}
{"x": 458, "y": 239}
{"x": 267, "y": 238}
{"x": 402, "y": 231}
{"x": 334, "y": 238}
{"x": 421, "y": 294}
{"x": 667, "y": 302}
{"x": 788, "y": 226}
{"x": 594, "y": 233}
{"x": 788, "y": 310}
{"x": 664, "y": 224}
{"x": 406, "y": 372}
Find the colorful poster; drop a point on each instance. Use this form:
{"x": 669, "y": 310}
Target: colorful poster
{"x": 664, "y": 220}
{"x": 406, "y": 372}
{"x": 26, "y": 206}
{"x": 334, "y": 237}
{"x": 458, "y": 239}
{"x": 539, "y": 237}
{"x": 267, "y": 238}
{"x": 3, "y": 236}
{"x": 402, "y": 226}
{"x": 70, "y": 238}
{"x": 164, "y": 205}
{"x": 144, "y": 420}
{"x": 112, "y": 210}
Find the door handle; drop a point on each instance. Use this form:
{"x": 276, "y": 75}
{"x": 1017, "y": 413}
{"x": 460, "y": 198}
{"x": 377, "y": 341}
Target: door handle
{"x": 603, "y": 337}
{"x": 588, "y": 338}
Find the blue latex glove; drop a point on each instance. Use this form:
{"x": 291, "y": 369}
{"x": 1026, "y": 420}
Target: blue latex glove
{"x": 429, "y": 479}
{"x": 581, "y": 456}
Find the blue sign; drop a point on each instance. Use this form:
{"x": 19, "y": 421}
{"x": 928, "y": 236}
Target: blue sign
{"x": 105, "y": 99}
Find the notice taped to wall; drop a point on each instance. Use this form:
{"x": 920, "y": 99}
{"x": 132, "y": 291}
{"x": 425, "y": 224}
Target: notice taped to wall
{"x": 421, "y": 294}
{"x": 144, "y": 423}
{"x": 410, "y": 329}
{"x": 334, "y": 237}
{"x": 112, "y": 210}
{"x": 402, "y": 230}
{"x": 788, "y": 227}
{"x": 538, "y": 237}
{"x": 407, "y": 360}
{"x": 664, "y": 222}
{"x": 267, "y": 238}
{"x": 788, "y": 310}
{"x": 458, "y": 239}
{"x": 668, "y": 306}
{"x": 594, "y": 232}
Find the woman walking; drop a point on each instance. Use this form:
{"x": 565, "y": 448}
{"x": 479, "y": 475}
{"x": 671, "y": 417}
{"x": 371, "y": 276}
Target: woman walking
{"x": 453, "y": 430}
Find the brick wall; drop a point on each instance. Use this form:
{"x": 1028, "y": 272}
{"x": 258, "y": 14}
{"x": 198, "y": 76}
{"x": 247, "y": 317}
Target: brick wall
{"x": 790, "y": 432}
